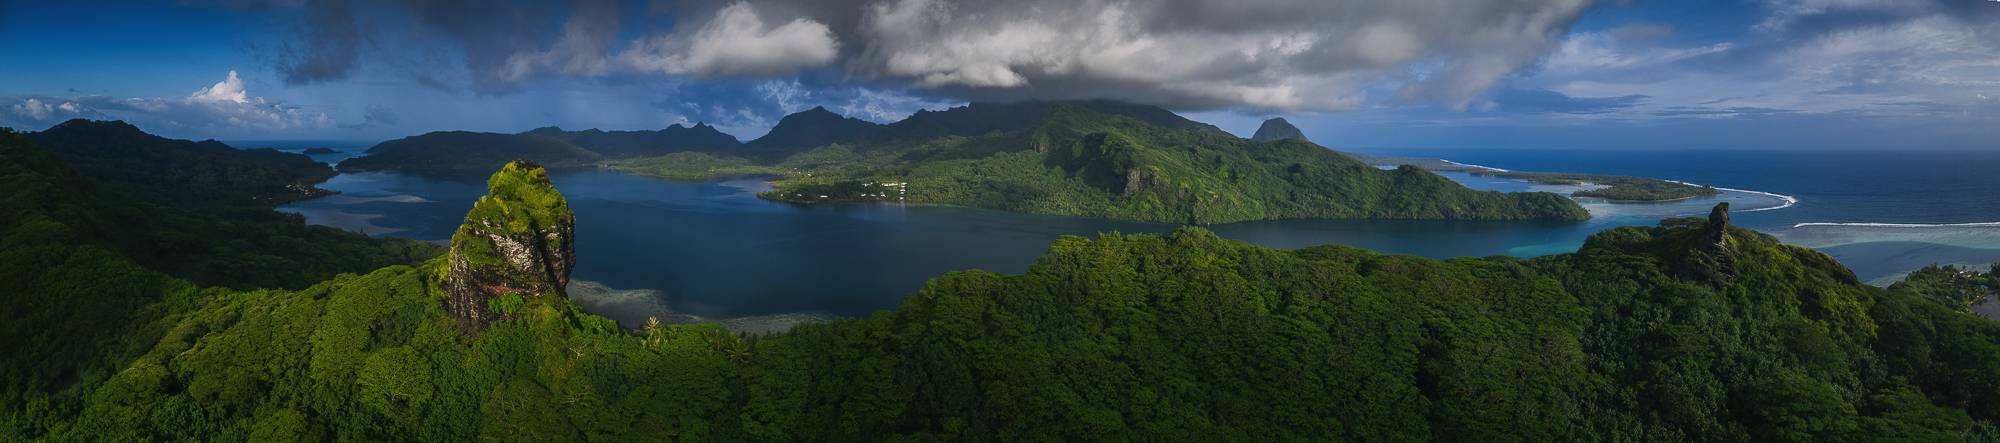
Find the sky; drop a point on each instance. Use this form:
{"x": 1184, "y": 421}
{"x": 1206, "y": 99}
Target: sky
{"x": 1553, "y": 74}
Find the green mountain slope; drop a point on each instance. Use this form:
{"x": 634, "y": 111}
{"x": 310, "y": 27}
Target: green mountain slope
{"x": 630, "y": 144}
{"x": 1077, "y": 160}
{"x": 1692, "y": 330}
{"x": 475, "y": 153}
{"x": 809, "y": 129}
{"x": 89, "y": 272}
{"x": 1277, "y": 129}
{"x": 206, "y": 173}
{"x": 460, "y": 152}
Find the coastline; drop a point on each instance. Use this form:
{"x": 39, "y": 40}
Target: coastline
{"x": 1789, "y": 201}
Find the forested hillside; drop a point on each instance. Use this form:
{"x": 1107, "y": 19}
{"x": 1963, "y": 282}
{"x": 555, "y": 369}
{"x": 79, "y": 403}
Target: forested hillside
{"x": 1100, "y": 159}
{"x": 181, "y": 172}
{"x": 460, "y": 153}
{"x": 1692, "y": 330}
{"x": 89, "y": 269}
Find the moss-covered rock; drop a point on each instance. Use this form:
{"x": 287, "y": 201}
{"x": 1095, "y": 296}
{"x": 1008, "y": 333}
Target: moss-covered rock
{"x": 518, "y": 240}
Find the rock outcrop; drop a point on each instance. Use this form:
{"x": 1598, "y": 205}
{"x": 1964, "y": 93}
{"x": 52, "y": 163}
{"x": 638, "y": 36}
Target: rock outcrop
{"x": 1709, "y": 259}
{"x": 516, "y": 245}
{"x": 1278, "y": 129}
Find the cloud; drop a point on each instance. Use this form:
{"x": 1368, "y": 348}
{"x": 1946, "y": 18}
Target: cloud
{"x": 223, "y": 109}
{"x": 1901, "y": 60}
{"x": 228, "y": 90}
{"x": 330, "y": 48}
{"x": 34, "y": 109}
{"x": 586, "y": 38}
{"x": 1551, "y": 102}
{"x": 737, "y": 42}
{"x": 1739, "y": 111}
{"x": 1304, "y": 55}
{"x": 376, "y": 117}
{"x": 1279, "y": 54}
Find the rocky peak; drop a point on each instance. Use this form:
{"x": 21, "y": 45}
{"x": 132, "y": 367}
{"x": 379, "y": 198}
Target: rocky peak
{"x": 1709, "y": 258}
{"x": 518, "y": 241}
{"x": 1718, "y": 223}
{"x": 1278, "y": 129}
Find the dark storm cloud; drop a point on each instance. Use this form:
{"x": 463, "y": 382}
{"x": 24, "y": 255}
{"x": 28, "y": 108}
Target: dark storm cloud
{"x": 329, "y": 49}
{"x": 376, "y": 117}
{"x": 1188, "y": 54}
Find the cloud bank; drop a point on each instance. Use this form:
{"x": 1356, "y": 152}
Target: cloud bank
{"x": 225, "y": 108}
{"x": 1309, "y": 55}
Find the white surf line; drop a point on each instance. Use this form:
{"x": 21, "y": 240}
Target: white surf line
{"x": 1469, "y": 165}
{"x": 1789, "y": 200}
{"x": 1905, "y": 225}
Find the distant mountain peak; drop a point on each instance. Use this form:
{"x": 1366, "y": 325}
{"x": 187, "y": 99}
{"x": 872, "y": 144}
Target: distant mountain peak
{"x": 1278, "y": 129}
{"x": 78, "y": 124}
{"x": 815, "y": 127}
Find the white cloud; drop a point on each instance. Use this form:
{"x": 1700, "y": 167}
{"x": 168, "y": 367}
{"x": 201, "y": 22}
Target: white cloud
{"x": 33, "y": 109}
{"x": 36, "y": 110}
{"x": 737, "y": 42}
{"x": 223, "y": 109}
{"x": 228, "y": 90}
{"x": 1908, "y": 60}
{"x": 1785, "y": 12}
{"x": 581, "y": 50}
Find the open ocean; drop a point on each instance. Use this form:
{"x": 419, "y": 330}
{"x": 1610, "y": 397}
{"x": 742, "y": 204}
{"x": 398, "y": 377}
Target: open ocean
{"x": 1873, "y": 209}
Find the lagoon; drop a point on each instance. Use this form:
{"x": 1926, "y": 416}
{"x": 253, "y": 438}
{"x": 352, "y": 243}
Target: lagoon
{"x": 713, "y": 250}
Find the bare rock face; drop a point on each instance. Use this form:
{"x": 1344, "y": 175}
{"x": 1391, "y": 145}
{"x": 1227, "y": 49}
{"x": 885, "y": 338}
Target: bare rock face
{"x": 516, "y": 245}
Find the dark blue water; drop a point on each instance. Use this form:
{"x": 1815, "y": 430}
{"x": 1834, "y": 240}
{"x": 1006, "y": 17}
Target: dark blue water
{"x": 715, "y": 250}
{"x": 1888, "y": 186}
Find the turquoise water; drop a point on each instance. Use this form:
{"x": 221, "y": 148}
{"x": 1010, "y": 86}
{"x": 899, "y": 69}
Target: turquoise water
{"x": 715, "y": 250}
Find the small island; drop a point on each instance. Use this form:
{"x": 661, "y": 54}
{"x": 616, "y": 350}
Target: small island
{"x": 320, "y": 151}
{"x": 1609, "y": 187}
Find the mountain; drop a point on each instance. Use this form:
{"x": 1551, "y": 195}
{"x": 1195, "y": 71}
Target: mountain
{"x": 1691, "y": 330}
{"x": 1277, "y": 129}
{"x": 982, "y": 118}
{"x": 214, "y": 240}
{"x": 90, "y": 268}
{"x": 460, "y": 152}
{"x": 631, "y": 144}
{"x": 813, "y": 128}
{"x": 184, "y": 172}
{"x": 518, "y": 244}
{"x": 1106, "y": 159}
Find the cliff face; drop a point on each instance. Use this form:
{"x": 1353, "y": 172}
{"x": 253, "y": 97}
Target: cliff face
{"x": 518, "y": 240}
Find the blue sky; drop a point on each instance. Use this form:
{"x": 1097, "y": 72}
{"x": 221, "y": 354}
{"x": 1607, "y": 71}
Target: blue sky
{"x": 1637, "y": 74}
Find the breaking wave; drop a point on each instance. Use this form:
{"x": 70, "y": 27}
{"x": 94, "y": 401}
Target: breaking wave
{"x": 1787, "y": 201}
